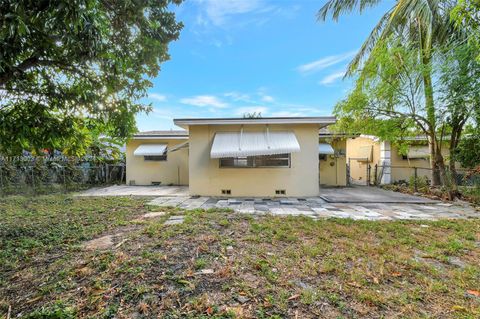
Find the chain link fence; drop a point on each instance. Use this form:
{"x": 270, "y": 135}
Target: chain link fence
{"x": 43, "y": 175}
{"x": 418, "y": 177}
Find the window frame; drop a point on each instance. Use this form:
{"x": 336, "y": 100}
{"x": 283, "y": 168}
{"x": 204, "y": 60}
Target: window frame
{"x": 322, "y": 157}
{"x": 155, "y": 158}
{"x": 255, "y": 159}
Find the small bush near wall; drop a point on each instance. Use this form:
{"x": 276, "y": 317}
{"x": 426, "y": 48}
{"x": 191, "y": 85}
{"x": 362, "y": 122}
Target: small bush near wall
{"x": 421, "y": 183}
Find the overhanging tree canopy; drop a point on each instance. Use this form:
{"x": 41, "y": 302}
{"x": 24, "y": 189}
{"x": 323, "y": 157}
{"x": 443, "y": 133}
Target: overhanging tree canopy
{"x": 68, "y": 66}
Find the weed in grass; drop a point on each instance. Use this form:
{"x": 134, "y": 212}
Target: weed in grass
{"x": 58, "y": 311}
{"x": 309, "y": 296}
{"x": 200, "y": 263}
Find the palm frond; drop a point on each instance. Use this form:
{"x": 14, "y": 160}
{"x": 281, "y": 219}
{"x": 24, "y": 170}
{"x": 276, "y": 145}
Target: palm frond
{"x": 335, "y": 8}
{"x": 424, "y": 22}
{"x": 380, "y": 31}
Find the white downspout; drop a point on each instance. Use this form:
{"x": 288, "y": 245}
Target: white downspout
{"x": 241, "y": 137}
{"x": 268, "y": 137}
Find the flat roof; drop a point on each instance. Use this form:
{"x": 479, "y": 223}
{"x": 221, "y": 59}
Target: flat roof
{"x": 325, "y": 120}
{"x": 325, "y": 132}
{"x": 177, "y": 134}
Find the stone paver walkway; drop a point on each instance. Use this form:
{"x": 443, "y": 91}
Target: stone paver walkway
{"x": 316, "y": 207}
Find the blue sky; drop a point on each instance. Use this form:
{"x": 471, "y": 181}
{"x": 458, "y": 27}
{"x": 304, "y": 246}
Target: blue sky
{"x": 268, "y": 56}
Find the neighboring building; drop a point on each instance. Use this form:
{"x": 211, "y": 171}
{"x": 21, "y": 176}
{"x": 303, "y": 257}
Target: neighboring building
{"x": 332, "y": 158}
{"x": 365, "y": 150}
{"x": 157, "y": 157}
{"x": 262, "y": 157}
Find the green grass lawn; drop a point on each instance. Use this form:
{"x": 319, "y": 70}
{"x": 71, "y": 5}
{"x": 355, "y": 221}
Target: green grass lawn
{"x": 263, "y": 267}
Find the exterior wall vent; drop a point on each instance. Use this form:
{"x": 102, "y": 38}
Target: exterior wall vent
{"x": 280, "y": 192}
{"x": 131, "y": 182}
{"x": 156, "y": 183}
{"x": 226, "y": 192}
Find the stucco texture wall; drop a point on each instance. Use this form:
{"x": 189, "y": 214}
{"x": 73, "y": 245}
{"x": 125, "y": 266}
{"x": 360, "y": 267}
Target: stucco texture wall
{"x": 358, "y": 168}
{"x": 333, "y": 170}
{"x": 172, "y": 171}
{"x": 401, "y": 169}
{"x": 207, "y": 178}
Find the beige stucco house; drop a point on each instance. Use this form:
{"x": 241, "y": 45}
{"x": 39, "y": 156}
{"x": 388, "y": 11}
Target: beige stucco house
{"x": 261, "y": 157}
{"x": 366, "y": 150}
{"x": 157, "y": 157}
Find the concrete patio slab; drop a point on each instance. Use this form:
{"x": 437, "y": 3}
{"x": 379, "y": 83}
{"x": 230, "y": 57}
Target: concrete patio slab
{"x": 365, "y": 203}
{"x": 366, "y": 194}
{"x": 126, "y": 190}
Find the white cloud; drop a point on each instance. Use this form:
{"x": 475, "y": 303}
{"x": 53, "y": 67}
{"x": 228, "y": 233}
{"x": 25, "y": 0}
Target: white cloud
{"x": 252, "y": 109}
{"x": 237, "y": 96}
{"x": 204, "y": 100}
{"x": 157, "y": 97}
{"x": 325, "y": 62}
{"x": 267, "y": 98}
{"x": 219, "y": 11}
{"x": 331, "y": 78}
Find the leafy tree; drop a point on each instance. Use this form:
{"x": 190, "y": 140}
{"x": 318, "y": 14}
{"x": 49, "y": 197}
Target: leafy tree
{"x": 466, "y": 15}
{"x": 387, "y": 99}
{"x": 423, "y": 24}
{"x": 459, "y": 84}
{"x": 468, "y": 149}
{"x": 68, "y": 67}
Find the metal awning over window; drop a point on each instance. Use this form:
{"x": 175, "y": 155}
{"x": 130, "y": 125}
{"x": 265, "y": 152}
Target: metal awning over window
{"x": 150, "y": 150}
{"x": 418, "y": 152}
{"x": 242, "y": 144}
{"x": 178, "y": 147}
{"x": 325, "y": 149}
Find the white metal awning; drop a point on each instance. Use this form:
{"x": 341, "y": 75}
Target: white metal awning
{"x": 178, "y": 147}
{"x": 150, "y": 150}
{"x": 241, "y": 144}
{"x": 325, "y": 148}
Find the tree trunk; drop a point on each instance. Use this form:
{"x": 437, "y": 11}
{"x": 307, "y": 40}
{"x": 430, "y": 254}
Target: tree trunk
{"x": 430, "y": 108}
{"x": 454, "y": 139}
{"x": 434, "y": 165}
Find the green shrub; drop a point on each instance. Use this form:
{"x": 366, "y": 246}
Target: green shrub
{"x": 421, "y": 181}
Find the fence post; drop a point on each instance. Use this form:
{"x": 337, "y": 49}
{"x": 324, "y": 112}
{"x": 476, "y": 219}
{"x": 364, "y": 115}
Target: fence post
{"x": 369, "y": 168}
{"x": 376, "y": 175}
{"x": 64, "y": 179}
{"x": 106, "y": 173}
{"x": 33, "y": 181}
{"x": 415, "y": 186}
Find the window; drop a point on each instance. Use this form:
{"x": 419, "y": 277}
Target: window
{"x": 322, "y": 157}
{"x": 155, "y": 158}
{"x": 280, "y": 160}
